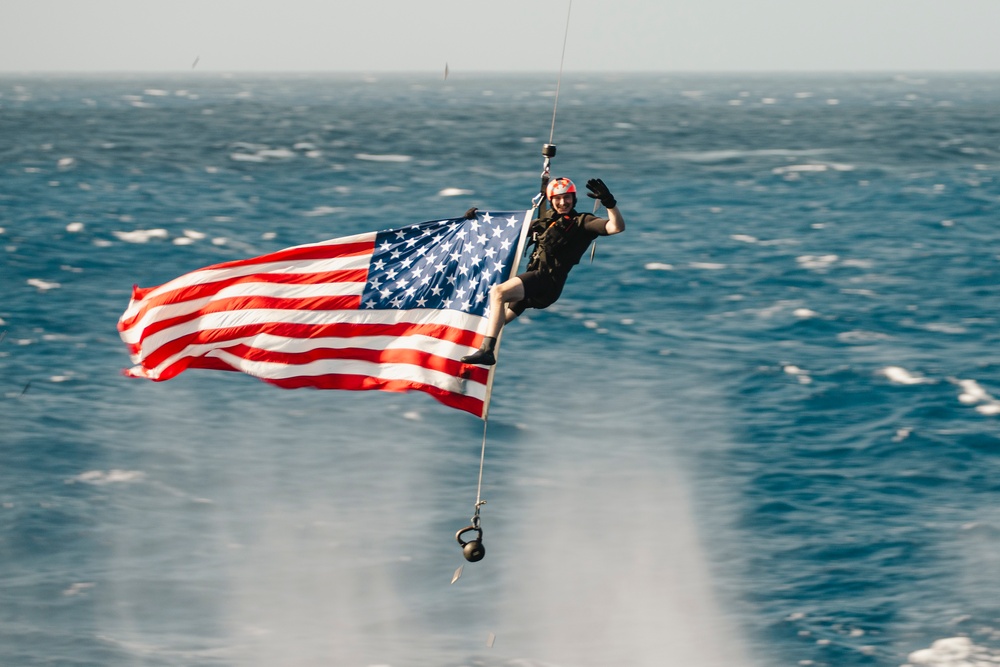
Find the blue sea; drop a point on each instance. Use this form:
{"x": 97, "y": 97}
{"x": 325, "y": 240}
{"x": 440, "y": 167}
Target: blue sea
{"x": 760, "y": 429}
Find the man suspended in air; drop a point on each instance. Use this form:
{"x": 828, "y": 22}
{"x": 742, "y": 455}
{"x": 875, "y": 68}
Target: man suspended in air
{"x": 561, "y": 236}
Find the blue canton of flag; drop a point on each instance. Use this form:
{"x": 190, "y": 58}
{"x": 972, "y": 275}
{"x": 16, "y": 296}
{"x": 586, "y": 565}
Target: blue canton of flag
{"x": 448, "y": 264}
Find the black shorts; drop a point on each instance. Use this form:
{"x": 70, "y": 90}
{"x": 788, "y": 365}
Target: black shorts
{"x": 541, "y": 289}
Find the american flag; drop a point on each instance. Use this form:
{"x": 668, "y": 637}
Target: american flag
{"x": 393, "y": 310}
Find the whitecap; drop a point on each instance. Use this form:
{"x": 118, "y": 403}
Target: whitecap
{"x": 74, "y": 227}
{"x": 156, "y": 92}
{"x": 322, "y": 210}
{"x": 43, "y": 285}
{"x": 858, "y": 263}
{"x": 140, "y": 235}
{"x": 971, "y": 392}
{"x": 799, "y": 168}
{"x": 183, "y": 240}
{"x": 304, "y": 146}
{"x": 800, "y": 374}
{"x": 902, "y": 434}
{"x": 736, "y": 154}
{"x": 658, "y": 266}
{"x": 902, "y": 376}
{"x": 804, "y": 313}
{"x": 78, "y": 588}
{"x": 246, "y": 157}
{"x": 389, "y": 157}
{"x": 953, "y": 652}
{"x": 454, "y": 192}
{"x": 859, "y": 336}
{"x": 101, "y": 477}
{"x": 708, "y": 266}
{"x": 745, "y": 238}
{"x": 195, "y": 235}
{"x": 816, "y": 261}
{"x": 941, "y": 327}
{"x": 276, "y": 153}
{"x": 66, "y": 162}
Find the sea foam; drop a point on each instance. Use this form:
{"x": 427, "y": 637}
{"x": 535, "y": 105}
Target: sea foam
{"x": 902, "y": 376}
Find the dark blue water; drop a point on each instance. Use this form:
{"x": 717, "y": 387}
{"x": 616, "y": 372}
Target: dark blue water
{"x": 761, "y": 428}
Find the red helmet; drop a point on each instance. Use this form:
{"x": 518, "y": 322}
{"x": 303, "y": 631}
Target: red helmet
{"x": 560, "y": 186}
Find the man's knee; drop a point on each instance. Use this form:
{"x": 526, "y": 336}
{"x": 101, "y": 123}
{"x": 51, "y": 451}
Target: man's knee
{"x": 505, "y": 292}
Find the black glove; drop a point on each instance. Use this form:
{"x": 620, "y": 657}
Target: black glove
{"x": 598, "y": 190}
{"x": 471, "y": 213}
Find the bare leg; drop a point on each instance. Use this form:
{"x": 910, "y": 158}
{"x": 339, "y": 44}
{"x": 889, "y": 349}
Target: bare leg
{"x": 500, "y": 295}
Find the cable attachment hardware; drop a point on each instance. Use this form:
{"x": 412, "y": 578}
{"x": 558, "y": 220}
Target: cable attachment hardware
{"x": 473, "y": 550}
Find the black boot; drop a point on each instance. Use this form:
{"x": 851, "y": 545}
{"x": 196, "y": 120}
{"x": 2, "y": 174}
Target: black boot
{"x": 484, "y": 355}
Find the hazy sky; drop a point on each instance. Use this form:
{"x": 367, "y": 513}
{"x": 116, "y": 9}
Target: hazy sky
{"x": 504, "y": 35}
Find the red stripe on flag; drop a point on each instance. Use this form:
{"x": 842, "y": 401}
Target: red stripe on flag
{"x": 209, "y": 289}
{"x": 236, "y": 304}
{"x": 353, "y": 381}
{"x": 364, "y": 382}
{"x": 313, "y": 331}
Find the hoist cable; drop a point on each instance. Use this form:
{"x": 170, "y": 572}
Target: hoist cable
{"x": 562, "y": 60}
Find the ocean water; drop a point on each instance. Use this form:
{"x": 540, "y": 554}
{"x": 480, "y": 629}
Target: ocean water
{"x": 761, "y": 428}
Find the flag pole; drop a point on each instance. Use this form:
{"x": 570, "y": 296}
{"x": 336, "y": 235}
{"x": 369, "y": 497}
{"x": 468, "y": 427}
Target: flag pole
{"x": 525, "y": 224}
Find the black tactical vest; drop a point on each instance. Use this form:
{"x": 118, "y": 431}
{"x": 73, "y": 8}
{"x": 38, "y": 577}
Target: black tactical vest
{"x": 560, "y": 241}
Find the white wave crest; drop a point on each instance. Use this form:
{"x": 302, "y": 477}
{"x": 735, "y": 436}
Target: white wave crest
{"x": 953, "y": 652}
{"x": 974, "y": 394}
{"x": 43, "y": 285}
{"x": 902, "y": 376}
{"x": 383, "y": 158}
{"x": 322, "y": 210}
{"x": 141, "y": 235}
{"x": 101, "y": 477}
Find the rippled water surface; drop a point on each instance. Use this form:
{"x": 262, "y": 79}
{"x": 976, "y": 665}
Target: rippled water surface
{"x": 760, "y": 428}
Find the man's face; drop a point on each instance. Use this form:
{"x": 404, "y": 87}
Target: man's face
{"x": 562, "y": 203}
